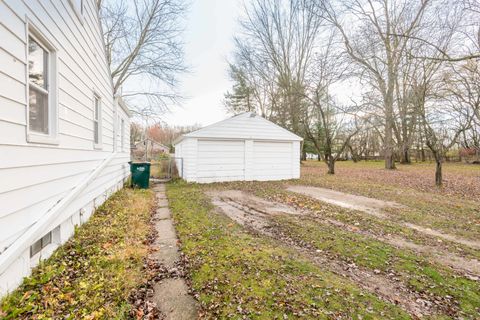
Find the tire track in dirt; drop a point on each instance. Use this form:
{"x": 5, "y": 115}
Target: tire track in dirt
{"x": 254, "y": 213}
{"x": 373, "y": 207}
{"x": 470, "y": 268}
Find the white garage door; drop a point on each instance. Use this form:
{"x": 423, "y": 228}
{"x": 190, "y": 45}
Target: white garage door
{"x": 272, "y": 160}
{"x": 220, "y": 160}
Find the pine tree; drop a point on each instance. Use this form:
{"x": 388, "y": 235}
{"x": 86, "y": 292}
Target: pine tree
{"x": 240, "y": 99}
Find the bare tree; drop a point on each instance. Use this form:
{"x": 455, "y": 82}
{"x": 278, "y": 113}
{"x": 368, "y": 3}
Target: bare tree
{"x": 329, "y": 128}
{"x": 144, "y": 50}
{"x": 327, "y": 124}
{"x": 442, "y": 132}
{"x": 376, "y": 40}
{"x": 441, "y": 119}
{"x": 276, "y": 45}
{"x": 460, "y": 18}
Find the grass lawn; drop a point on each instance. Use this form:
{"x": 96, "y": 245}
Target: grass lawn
{"x": 236, "y": 273}
{"x": 94, "y": 273}
{"x": 454, "y": 208}
{"x": 264, "y": 272}
{"x": 248, "y": 259}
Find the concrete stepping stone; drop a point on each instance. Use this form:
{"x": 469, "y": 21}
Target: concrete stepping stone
{"x": 163, "y": 213}
{"x": 172, "y": 298}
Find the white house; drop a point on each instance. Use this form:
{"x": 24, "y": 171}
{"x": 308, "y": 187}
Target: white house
{"x": 64, "y": 138}
{"x": 244, "y": 147}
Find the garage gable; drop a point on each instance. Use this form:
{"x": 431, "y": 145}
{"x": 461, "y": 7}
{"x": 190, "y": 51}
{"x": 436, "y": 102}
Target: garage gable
{"x": 245, "y": 126}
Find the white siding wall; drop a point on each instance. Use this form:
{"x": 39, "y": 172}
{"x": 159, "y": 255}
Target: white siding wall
{"x": 295, "y": 159}
{"x": 189, "y": 159}
{"x": 36, "y": 176}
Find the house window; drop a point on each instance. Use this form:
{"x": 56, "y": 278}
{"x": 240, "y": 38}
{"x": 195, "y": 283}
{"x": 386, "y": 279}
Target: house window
{"x": 122, "y": 136}
{"x": 38, "y": 82}
{"x": 38, "y": 245}
{"x": 97, "y": 116}
{"x": 41, "y": 90}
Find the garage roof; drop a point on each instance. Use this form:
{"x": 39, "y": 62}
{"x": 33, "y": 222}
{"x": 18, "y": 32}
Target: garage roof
{"x": 247, "y": 125}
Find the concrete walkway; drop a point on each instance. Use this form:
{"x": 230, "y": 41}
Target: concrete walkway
{"x": 171, "y": 294}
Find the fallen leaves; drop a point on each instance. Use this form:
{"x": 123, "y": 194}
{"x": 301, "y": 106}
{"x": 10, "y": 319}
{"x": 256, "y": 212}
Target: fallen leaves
{"x": 91, "y": 276}
{"x": 240, "y": 274}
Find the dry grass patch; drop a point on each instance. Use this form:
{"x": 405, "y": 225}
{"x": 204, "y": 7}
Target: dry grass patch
{"x": 93, "y": 274}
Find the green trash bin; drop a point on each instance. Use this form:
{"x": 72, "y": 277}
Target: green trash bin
{"x": 140, "y": 174}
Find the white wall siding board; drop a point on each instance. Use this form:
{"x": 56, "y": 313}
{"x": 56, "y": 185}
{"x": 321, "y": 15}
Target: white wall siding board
{"x": 16, "y": 68}
{"x": 11, "y": 111}
{"x": 21, "y": 155}
{"x": 36, "y": 176}
{"x": 12, "y": 22}
{"x": 244, "y": 147}
{"x": 296, "y": 160}
{"x": 249, "y": 160}
{"x": 13, "y": 43}
{"x": 11, "y": 89}
{"x": 190, "y": 150}
{"x": 12, "y": 133}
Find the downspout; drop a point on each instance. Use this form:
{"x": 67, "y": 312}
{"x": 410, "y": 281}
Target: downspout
{"x": 35, "y": 231}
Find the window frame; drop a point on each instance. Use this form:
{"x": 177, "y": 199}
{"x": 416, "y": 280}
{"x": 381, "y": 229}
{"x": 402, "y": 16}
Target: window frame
{"x": 79, "y": 12}
{"x": 52, "y": 88}
{"x": 122, "y": 134}
{"x": 97, "y": 118}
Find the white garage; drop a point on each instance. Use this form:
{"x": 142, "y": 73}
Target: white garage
{"x": 244, "y": 147}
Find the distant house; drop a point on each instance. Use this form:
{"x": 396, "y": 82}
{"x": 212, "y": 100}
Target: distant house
{"x": 148, "y": 149}
{"x": 64, "y": 137}
{"x": 243, "y": 147}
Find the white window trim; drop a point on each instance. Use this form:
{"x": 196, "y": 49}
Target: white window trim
{"x": 115, "y": 126}
{"x": 52, "y": 136}
{"x": 98, "y": 145}
{"x": 122, "y": 134}
{"x": 79, "y": 12}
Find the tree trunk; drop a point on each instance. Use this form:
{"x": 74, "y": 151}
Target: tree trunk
{"x": 405, "y": 155}
{"x": 389, "y": 160}
{"x": 355, "y": 156}
{"x": 389, "y": 143}
{"x": 438, "y": 172}
{"x": 331, "y": 165}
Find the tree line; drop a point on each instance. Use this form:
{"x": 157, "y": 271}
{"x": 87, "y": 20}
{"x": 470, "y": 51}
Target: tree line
{"x": 363, "y": 77}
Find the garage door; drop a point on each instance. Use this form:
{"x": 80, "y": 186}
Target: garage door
{"x": 220, "y": 160}
{"x": 272, "y": 160}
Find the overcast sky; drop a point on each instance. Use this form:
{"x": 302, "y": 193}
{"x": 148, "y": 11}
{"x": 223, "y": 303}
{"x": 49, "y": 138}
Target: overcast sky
{"x": 208, "y": 42}
{"x": 210, "y": 27}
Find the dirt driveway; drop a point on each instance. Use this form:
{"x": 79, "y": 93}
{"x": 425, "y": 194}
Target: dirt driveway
{"x": 263, "y": 216}
{"x": 374, "y": 207}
